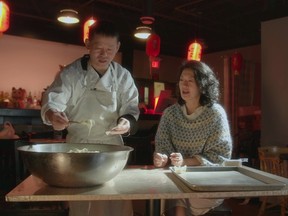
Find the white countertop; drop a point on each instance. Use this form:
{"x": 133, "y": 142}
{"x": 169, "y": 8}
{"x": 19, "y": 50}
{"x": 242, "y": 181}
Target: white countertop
{"x": 133, "y": 183}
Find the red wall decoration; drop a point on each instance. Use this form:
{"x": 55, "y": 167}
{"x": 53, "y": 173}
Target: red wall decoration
{"x": 236, "y": 63}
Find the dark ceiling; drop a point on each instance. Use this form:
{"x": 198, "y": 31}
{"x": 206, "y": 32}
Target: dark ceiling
{"x": 217, "y": 24}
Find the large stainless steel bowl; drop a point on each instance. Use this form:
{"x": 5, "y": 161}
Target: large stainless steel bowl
{"x": 56, "y": 165}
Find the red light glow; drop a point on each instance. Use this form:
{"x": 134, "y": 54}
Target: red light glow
{"x": 86, "y": 26}
{"x": 4, "y": 16}
{"x": 156, "y": 102}
{"x": 155, "y": 64}
{"x": 194, "y": 51}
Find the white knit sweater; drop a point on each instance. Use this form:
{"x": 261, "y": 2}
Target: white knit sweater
{"x": 205, "y": 134}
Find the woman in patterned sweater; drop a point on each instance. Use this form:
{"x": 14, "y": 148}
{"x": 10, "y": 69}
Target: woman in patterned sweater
{"x": 194, "y": 132}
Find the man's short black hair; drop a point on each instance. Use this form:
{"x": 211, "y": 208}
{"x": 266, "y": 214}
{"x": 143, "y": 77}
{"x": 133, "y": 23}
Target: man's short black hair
{"x": 103, "y": 28}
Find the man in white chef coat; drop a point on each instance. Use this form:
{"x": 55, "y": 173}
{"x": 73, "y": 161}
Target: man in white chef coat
{"x": 102, "y": 96}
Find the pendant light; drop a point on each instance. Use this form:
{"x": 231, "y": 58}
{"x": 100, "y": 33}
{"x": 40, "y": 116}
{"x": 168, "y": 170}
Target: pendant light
{"x": 142, "y": 32}
{"x": 68, "y": 16}
{"x": 86, "y": 26}
{"x": 4, "y": 16}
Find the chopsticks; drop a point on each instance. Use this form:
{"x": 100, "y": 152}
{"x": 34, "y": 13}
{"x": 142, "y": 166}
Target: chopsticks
{"x": 75, "y": 122}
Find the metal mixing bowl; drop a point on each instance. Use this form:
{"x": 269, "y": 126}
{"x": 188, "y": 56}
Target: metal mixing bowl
{"x": 57, "y": 166}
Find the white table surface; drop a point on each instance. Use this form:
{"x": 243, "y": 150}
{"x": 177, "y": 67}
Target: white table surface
{"x": 133, "y": 183}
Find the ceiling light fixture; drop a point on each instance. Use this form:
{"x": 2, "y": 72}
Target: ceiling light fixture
{"x": 142, "y": 32}
{"x": 68, "y": 16}
{"x": 147, "y": 20}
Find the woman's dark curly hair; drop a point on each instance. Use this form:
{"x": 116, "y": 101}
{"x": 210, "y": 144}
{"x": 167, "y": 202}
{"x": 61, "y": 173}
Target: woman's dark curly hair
{"x": 206, "y": 81}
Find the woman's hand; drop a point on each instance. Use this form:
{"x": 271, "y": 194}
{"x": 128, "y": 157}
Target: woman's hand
{"x": 176, "y": 159}
{"x": 160, "y": 160}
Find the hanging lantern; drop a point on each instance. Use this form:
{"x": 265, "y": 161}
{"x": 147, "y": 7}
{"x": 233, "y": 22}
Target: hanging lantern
{"x": 86, "y": 26}
{"x": 236, "y": 63}
{"x": 153, "y": 45}
{"x": 4, "y": 16}
{"x": 194, "y": 51}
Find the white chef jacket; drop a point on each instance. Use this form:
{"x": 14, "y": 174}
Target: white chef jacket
{"x": 83, "y": 95}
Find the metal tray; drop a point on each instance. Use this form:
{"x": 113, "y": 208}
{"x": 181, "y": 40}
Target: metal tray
{"x": 226, "y": 179}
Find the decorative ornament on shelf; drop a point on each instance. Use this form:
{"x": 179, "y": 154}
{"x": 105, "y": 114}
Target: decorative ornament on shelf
{"x": 18, "y": 97}
{"x": 4, "y": 17}
{"x": 86, "y": 26}
{"x": 194, "y": 51}
{"x": 236, "y": 63}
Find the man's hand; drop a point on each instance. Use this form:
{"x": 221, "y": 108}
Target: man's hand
{"x": 58, "y": 120}
{"x": 122, "y": 127}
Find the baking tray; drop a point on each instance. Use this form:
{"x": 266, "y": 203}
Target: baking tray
{"x": 226, "y": 179}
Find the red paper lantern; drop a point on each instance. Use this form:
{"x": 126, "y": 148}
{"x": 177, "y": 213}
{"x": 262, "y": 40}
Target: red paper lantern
{"x": 4, "y": 16}
{"x": 86, "y": 26}
{"x": 236, "y": 63}
{"x": 194, "y": 51}
{"x": 153, "y": 45}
